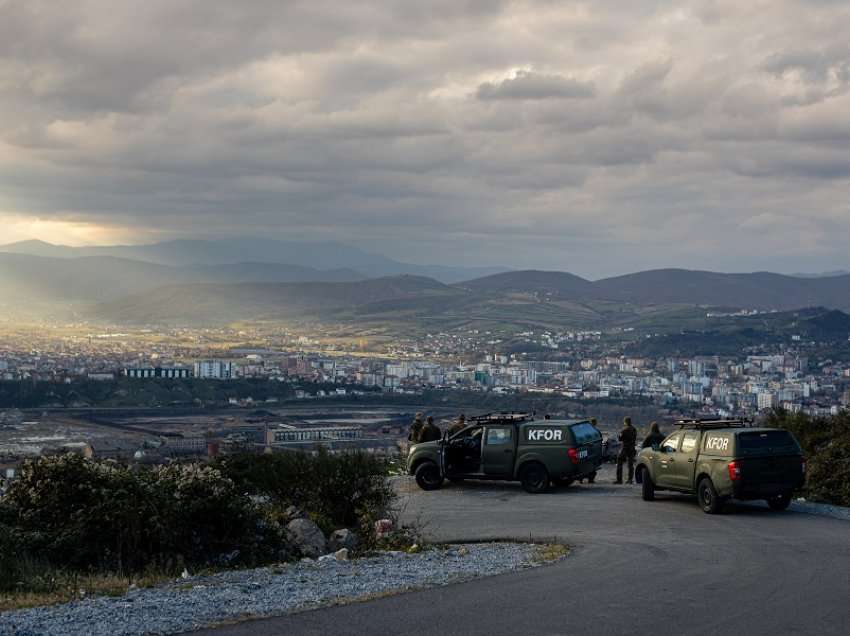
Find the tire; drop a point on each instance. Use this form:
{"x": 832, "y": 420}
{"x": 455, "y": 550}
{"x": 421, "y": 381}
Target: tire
{"x": 534, "y": 478}
{"x": 780, "y": 502}
{"x": 428, "y": 476}
{"x": 710, "y": 502}
{"x": 591, "y": 478}
{"x": 647, "y": 488}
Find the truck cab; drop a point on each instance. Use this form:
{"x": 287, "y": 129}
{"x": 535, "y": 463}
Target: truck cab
{"x": 718, "y": 460}
{"x": 511, "y": 447}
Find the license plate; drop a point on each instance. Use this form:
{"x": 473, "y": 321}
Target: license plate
{"x": 582, "y": 454}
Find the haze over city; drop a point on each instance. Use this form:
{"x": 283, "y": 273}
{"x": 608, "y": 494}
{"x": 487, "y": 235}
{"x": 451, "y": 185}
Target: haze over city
{"x": 597, "y": 138}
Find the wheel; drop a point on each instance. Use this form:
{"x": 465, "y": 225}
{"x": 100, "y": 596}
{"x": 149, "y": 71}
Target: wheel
{"x": 647, "y": 487}
{"x": 428, "y": 476}
{"x": 780, "y": 502}
{"x": 534, "y": 478}
{"x": 710, "y": 502}
{"x": 591, "y": 478}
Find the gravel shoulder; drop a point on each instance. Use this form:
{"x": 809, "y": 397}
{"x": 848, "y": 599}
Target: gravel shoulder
{"x": 197, "y": 602}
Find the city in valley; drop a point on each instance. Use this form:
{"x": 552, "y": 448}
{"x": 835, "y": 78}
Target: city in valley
{"x": 158, "y": 393}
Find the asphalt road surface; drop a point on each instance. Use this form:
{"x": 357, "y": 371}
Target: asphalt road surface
{"x": 636, "y": 568}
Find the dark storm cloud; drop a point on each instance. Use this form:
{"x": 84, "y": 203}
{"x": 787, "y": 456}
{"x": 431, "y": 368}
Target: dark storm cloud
{"x": 549, "y": 134}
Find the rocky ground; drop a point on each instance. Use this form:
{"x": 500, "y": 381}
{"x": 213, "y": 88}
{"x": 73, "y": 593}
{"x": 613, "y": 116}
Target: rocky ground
{"x": 195, "y": 602}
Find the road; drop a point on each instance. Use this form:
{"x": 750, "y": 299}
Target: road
{"x": 636, "y": 568}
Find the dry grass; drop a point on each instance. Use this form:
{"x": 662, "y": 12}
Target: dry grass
{"x": 549, "y": 552}
{"x": 66, "y": 588}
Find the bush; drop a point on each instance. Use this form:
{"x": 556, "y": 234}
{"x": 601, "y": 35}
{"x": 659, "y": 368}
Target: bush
{"x": 347, "y": 490}
{"x": 826, "y": 444}
{"x": 99, "y": 516}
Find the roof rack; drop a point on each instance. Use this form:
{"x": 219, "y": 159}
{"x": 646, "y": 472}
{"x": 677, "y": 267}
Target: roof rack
{"x": 502, "y": 416}
{"x": 714, "y": 423}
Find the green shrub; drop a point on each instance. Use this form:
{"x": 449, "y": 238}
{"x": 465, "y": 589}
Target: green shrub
{"x": 90, "y": 515}
{"x": 345, "y": 490}
{"x": 826, "y": 443}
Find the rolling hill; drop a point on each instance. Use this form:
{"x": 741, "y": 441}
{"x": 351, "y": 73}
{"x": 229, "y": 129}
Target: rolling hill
{"x": 760, "y": 290}
{"x": 211, "y": 303}
{"x": 313, "y": 255}
{"x": 100, "y": 278}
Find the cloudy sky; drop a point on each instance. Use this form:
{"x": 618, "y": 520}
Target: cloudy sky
{"x": 598, "y": 137}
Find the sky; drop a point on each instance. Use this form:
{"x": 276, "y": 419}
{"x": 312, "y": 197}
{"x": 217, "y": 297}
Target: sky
{"x": 599, "y": 138}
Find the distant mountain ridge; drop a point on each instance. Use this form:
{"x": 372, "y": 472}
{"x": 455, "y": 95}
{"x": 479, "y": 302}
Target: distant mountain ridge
{"x": 99, "y": 278}
{"x": 759, "y": 290}
{"x": 315, "y": 255}
{"x": 114, "y": 288}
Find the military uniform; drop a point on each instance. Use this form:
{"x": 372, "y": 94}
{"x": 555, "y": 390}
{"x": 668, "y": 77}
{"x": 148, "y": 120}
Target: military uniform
{"x": 628, "y": 437}
{"x": 458, "y": 426}
{"x": 415, "y": 429}
{"x": 430, "y": 432}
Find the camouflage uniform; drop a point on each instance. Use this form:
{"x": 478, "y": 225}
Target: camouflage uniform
{"x": 415, "y": 429}
{"x": 458, "y": 426}
{"x": 430, "y": 432}
{"x": 628, "y": 436}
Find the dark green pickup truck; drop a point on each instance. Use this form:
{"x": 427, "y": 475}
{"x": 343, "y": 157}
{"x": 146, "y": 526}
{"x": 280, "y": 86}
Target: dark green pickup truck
{"x": 511, "y": 447}
{"x": 718, "y": 460}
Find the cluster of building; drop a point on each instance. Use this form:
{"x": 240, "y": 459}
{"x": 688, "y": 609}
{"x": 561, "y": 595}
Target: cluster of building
{"x": 587, "y": 365}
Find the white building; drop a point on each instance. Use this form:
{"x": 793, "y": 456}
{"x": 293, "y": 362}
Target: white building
{"x": 214, "y": 370}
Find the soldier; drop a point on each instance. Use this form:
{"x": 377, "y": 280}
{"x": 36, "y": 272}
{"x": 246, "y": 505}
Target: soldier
{"x": 415, "y": 428}
{"x": 628, "y": 437}
{"x": 655, "y": 436}
{"x": 458, "y": 425}
{"x": 430, "y": 432}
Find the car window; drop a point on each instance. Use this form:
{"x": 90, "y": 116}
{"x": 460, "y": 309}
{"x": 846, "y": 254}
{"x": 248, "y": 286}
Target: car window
{"x": 769, "y": 441}
{"x": 672, "y": 442}
{"x": 689, "y": 441}
{"x": 585, "y": 433}
{"x": 496, "y": 436}
{"x": 472, "y": 431}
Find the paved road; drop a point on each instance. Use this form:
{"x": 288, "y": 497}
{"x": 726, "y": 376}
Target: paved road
{"x": 637, "y": 567}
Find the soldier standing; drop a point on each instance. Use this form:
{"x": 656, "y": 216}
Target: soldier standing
{"x": 628, "y": 437}
{"x": 430, "y": 432}
{"x": 415, "y": 428}
{"x": 655, "y": 436}
{"x": 458, "y": 425}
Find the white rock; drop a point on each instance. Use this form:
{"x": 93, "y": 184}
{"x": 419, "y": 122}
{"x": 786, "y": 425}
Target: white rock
{"x": 341, "y": 554}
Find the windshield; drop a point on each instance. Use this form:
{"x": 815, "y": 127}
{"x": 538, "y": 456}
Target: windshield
{"x": 771, "y": 441}
{"x": 585, "y": 433}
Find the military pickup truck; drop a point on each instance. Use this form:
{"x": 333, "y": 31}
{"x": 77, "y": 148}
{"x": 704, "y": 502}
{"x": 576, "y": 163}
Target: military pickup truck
{"x": 718, "y": 460}
{"x": 511, "y": 447}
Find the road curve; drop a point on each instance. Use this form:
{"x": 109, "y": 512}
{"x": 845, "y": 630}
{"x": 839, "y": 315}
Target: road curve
{"x": 662, "y": 568}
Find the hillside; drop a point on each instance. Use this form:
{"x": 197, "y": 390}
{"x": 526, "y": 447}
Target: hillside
{"x": 545, "y": 283}
{"x": 760, "y": 290}
{"x": 206, "y": 303}
{"x": 99, "y": 278}
{"x": 313, "y": 255}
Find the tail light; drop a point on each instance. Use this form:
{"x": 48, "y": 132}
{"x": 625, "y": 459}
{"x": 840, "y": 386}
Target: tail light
{"x": 734, "y": 471}
{"x": 803, "y": 464}
{"x": 573, "y": 453}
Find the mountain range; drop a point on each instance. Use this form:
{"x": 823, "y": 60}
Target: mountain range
{"x": 192, "y": 253}
{"x": 220, "y": 281}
